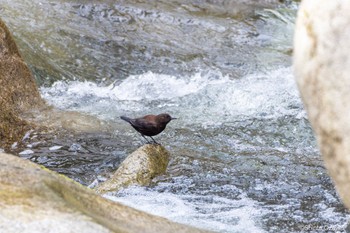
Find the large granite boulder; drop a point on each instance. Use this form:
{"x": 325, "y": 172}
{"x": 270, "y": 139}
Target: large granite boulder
{"x": 34, "y": 199}
{"x": 139, "y": 168}
{"x": 322, "y": 69}
{"x": 18, "y": 90}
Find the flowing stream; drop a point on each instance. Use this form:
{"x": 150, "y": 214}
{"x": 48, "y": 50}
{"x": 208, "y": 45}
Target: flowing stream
{"x": 243, "y": 155}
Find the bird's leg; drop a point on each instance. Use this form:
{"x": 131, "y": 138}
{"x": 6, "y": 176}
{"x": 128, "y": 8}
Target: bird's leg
{"x": 148, "y": 142}
{"x": 155, "y": 142}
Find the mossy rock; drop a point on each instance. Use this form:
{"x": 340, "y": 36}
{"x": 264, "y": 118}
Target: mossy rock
{"x": 139, "y": 168}
{"x": 19, "y": 92}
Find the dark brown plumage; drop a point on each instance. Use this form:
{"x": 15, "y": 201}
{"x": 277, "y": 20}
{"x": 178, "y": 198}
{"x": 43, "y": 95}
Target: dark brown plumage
{"x": 149, "y": 125}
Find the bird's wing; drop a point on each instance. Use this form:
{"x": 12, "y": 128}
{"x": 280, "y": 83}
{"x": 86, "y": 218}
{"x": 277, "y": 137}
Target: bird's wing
{"x": 143, "y": 125}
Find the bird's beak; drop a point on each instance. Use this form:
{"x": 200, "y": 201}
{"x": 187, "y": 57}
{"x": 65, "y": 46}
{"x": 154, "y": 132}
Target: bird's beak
{"x": 174, "y": 118}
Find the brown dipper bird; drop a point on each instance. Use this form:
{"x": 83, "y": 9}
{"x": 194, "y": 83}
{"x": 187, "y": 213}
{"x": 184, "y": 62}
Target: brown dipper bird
{"x": 149, "y": 125}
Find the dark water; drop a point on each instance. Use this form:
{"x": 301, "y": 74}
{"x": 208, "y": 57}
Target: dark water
{"x": 243, "y": 156}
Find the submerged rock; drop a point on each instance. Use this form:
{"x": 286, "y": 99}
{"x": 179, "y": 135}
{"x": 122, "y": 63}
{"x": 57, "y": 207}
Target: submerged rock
{"x": 34, "y": 199}
{"x": 139, "y": 168}
{"x": 18, "y": 90}
{"x": 322, "y": 68}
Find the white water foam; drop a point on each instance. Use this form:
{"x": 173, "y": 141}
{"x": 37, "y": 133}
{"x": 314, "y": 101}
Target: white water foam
{"x": 217, "y": 214}
{"x": 150, "y": 86}
{"x": 220, "y": 97}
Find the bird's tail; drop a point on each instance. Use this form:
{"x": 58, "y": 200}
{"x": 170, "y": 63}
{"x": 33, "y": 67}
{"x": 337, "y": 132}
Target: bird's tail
{"x": 127, "y": 119}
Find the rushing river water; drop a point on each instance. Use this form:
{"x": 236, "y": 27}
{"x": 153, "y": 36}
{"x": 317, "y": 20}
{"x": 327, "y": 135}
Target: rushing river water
{"x": 243, "y": 156}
